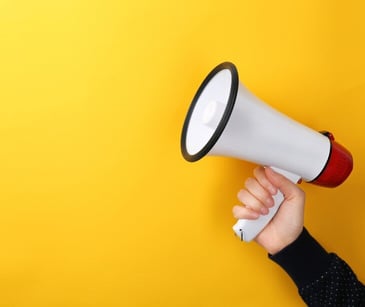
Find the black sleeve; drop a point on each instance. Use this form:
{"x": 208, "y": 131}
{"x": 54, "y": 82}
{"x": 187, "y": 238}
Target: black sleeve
{"x": 323, "y": 279}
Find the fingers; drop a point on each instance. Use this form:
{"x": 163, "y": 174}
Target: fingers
{"x": 261, "y": 175}
{"x": 288, "y": 188}
{"x": 256, "y": 197}
{"x": 240, "y": 212}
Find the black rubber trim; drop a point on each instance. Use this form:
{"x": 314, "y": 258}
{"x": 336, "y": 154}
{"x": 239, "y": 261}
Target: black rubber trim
{"x": 224, "y": 120}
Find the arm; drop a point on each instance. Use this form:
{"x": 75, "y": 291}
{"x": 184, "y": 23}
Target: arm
{"x": 322, "y": 278}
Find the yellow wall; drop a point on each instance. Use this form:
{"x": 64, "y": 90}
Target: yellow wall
{"x": 97, "y": 205}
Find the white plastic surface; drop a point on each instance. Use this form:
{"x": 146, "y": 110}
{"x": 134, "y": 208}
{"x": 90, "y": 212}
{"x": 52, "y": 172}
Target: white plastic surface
{"x": 247, "y": 230}
{"x": 258, "y": 133}
{"x": 208, "y": 111}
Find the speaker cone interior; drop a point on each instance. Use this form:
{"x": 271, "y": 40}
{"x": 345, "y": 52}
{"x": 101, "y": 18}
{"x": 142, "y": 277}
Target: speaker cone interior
{"x": 209, "y": 111}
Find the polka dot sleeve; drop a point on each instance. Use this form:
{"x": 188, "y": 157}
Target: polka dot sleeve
{"x": 323, "y": 279}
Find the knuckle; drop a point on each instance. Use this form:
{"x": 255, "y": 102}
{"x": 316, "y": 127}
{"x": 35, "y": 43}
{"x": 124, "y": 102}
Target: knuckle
{"x": 240, "y": 194}
{"x": 248, "y": 182}
{"x": 236, "y": 212}
{"x": 257, "y": 170}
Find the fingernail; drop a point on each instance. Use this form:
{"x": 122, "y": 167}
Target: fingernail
{"x": 264, "y": 211}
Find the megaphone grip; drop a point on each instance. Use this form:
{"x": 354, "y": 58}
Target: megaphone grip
{"x": 247, "y": 230}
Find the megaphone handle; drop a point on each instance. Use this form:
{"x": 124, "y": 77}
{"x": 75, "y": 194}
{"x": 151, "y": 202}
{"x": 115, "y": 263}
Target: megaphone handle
{"x": 247, "y": 230}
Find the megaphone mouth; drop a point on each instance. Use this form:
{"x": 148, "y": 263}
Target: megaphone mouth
{"x": 209, "y": 111}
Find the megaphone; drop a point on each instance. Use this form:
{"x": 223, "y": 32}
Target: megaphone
{"x": 225, "y": 119}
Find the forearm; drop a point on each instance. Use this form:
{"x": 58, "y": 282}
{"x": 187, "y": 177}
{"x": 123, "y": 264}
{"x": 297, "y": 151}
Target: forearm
{"x": 322, "y": 278}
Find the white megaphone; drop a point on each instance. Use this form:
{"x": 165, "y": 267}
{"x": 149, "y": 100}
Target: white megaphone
{"x": 225, "y": 119}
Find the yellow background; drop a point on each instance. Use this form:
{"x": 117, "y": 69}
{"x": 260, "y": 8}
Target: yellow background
{"x": 97, "y": 205}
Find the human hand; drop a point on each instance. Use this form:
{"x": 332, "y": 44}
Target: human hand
{"x": 257, "y": 198}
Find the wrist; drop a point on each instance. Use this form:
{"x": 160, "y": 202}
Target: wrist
{"x": 304, "y": 259}
{"x": 278, "y": 241}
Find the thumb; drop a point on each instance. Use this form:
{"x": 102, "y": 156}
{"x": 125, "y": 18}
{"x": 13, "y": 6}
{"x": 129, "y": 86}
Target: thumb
{"x": 288, "y": 188}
